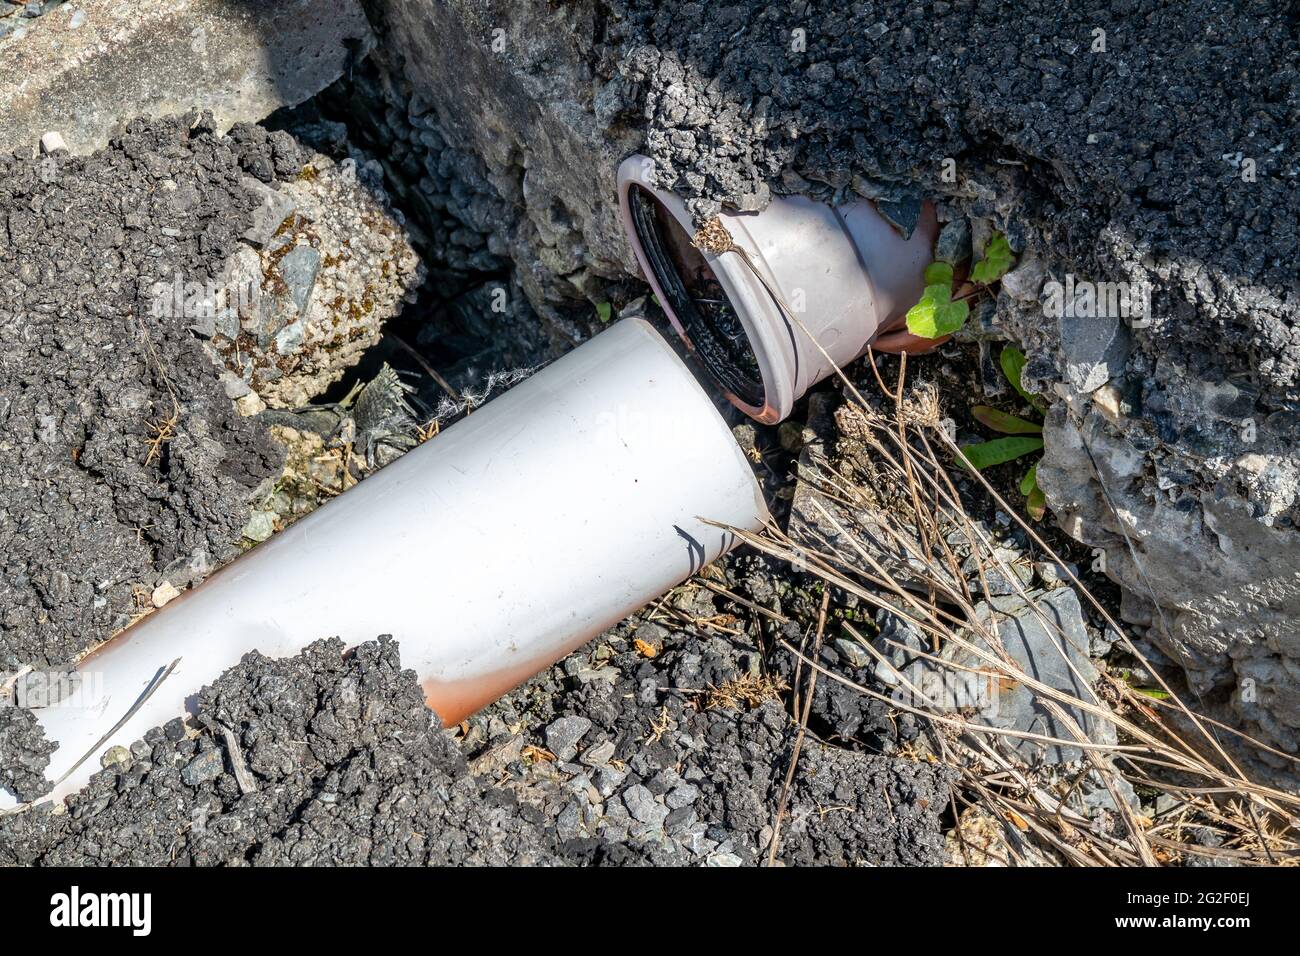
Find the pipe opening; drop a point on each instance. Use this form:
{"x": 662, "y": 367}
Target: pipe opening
{"x": 705, "y": 311}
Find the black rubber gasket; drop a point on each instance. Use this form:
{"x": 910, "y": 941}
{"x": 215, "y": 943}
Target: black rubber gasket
{"x": 725, "y": 353}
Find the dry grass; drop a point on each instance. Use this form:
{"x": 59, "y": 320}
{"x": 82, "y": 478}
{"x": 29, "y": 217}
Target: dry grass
{"x": 911, "y": 570}
{"x": 751, "y": 690}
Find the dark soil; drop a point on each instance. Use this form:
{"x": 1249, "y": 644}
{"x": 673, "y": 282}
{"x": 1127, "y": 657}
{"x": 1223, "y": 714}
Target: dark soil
{"x": 351, "y": 768}
{"x": 95, "y": 507}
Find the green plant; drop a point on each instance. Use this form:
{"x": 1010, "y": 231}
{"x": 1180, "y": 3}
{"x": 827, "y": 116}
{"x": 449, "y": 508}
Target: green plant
{"x": 604, "y": 311}
{"x": 1024, "y": 435}
{"x": 937, "y": 313}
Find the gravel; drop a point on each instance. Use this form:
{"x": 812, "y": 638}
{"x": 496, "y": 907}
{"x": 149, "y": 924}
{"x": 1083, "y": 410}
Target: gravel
{"x": 349, "y": 767}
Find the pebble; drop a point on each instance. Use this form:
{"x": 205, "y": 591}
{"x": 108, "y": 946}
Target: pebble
{"x": 274, "y": 209}
{"x": 249, "y": 405}
{"x": 298, "y": 269}
{"x": 164, "y": 593}
{"x": 174, "y": 730}
{"x": 117, "y": 756}
{"x": 234, "y": 386}
{"x": 642, "y": 805}
{"x": 695, "y": 839}
{"x": 598, "y": 755}
{"x": 1053, "y": 574}
{"x": 562, "y": 736}
{"x": 206, "y": 766}
{"x": 261, "y": 525}
{"x": 682, "y": 795}
{"x": 723, "y": 859}
{"x": 52, "y": 142}
{"x": 290, "y": 338}
{"x": 953, "y": 244}
{"x": 608, "y": 780}
{"x": 854, "y": 654}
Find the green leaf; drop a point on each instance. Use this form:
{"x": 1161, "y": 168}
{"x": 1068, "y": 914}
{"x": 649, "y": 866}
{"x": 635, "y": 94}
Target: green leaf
{"x": 1013, "y": 365}
{"x": 997, "y": 260}
{"x": 1003, "y": 422}
{"x": 604, "y": 310}
{"x": 939, "y": 273}
{"x": 1035, "y": 500}
{"x": 999, "y": 451}
{"x": 1030, "y": 481}
{"x": 1153, "y": 692}
{"x": 1036, "y": 504}
{"x": 936, "y": 314}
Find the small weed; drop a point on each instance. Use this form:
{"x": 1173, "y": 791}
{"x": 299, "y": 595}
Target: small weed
{"x": 1023, "y": 435}
{"x": 939, "y": 313}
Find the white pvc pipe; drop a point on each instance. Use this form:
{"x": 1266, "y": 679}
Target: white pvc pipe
{"x": 489, "y": 552}
{"x": 848, "y": 275}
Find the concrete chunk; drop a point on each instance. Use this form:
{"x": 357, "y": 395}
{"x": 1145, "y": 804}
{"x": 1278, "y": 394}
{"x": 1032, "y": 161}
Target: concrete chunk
{"x": 162, "y": 57}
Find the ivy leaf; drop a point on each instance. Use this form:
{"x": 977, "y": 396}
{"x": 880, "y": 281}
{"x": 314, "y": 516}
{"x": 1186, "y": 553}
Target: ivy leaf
{"x": 997, "y": 260}
{"x": 1003, "y": 422}
{"x": 998, "y": 451}
{"x": 939, "y": 273}
{"x": 936, "y": 314}
{"x": 604, "y": 310}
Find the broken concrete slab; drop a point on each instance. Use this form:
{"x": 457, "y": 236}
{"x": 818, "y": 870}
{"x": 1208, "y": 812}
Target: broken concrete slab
{"x": 161, "y": 57}
{"x": 1049, "y": 645}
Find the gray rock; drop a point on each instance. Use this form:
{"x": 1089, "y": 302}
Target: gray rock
{"x": 998, "y": 578}
{"x": 641, "y": 804}
{"x": 1215, "y": 587}
{"x": 1053, "y": 574}
{"x": 562, "y": 736}
{"x": 1101, "y": 642}
{"x": 1025, "y": 281}
{"x": 903, "y": 215}
{"x": 290, "y": 338}
{"x": 234, "y": 386}
{"x": 598, "y": 755}
{"x": 1096, "y": 350}
{"x": 1042, "y": 652}
{"x": 203, "y": 768}
{"x": 298, "y": 269}
{"x": 953, "y": 244}
{"x": 608, "y": 779}
{"x": 261, "y": 525}
{"x": 723, "y": 859}
{"x": 682, "y": 795}
{"x": 275, "y": 206}
{"x": 695, "y": 839}
{"x": 854, "y": 654}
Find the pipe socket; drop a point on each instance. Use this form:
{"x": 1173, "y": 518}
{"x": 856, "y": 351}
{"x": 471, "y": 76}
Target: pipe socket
{"x": 842, "y": 272}
{"x": 489, "y": 552}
